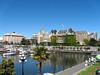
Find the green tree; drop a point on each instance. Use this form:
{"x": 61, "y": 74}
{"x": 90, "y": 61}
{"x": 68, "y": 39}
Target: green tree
{"x": 92, "y": 42}
{"x": 53, "y": 40}
{"x": 40, "y": 55}
{"x": 86, "y": 41}
{"x": 70, "y": 40}
{"x": 98, "y": 42}
{"x": 7, "y": 67}
{"x": 25, "y": 42}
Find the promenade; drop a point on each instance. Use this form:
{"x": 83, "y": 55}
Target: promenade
{"x": 73, "y": 70}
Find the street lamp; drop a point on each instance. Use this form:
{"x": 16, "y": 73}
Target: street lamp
{"x": 22, "y": 60}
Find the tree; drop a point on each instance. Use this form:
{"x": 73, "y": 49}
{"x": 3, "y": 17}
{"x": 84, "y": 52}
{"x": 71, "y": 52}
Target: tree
{"x": 5, "y": 42}
{"x": 25, "y": 42}
{"x": 92, "y": 42}
{"x": 53, "y": 40}
{"x": 98, "y": 42}
{"x": 40, "y": 55}
{"x": 70, "y": 40}
{"x": 7, "y": 67}
{"x": 86, "y": 41}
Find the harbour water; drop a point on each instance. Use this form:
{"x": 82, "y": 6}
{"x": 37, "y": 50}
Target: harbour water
{"x": 55, "y": 63}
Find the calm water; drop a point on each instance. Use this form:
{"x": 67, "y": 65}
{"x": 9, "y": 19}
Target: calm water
{"x": 55, "y": 63}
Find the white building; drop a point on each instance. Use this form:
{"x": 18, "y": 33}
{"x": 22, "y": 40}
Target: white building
{"x": 92, "y": 35}
{"x": 43, "y": 37}
{"x": 1, "y": 40}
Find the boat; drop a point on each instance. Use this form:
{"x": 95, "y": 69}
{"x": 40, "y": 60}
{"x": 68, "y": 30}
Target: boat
{"x": 9, "y": 54}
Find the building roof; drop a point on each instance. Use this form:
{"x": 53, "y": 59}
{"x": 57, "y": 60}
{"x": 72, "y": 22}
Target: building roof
{"x": 82, "y": 32}
{"x": 12, "y": 34}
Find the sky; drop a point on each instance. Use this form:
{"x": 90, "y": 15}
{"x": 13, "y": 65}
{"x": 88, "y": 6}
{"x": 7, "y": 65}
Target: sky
{"x": 29, "y": 16}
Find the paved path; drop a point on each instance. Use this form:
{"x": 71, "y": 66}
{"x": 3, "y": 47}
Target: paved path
{"x": 73, "y": 70}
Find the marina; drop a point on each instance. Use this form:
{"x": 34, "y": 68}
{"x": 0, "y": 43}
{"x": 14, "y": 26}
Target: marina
{"x": 56, "y": 62}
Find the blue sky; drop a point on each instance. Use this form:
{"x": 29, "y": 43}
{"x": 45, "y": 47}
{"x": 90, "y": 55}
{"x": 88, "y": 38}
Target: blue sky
{"x": 29, "y": 16}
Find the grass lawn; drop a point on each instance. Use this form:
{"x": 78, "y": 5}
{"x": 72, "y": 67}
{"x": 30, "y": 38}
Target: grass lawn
{"x": 90, "y": 70}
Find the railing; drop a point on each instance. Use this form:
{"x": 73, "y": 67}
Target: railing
{"x": 73, "y": 48}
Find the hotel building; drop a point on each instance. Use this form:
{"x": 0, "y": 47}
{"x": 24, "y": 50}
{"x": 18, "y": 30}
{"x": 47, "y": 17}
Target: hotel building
{"x": 61, "y": 34}
{"x": 81, "y": 35}
{"x": 44, "y": 37}
{"x": 14, "y": 38}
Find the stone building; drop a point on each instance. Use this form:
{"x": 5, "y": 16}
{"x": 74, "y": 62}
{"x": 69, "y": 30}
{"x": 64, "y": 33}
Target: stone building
{"x": 81, "y": 35}
{"x": 43, "y": 37}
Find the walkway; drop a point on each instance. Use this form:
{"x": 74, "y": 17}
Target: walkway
{"x": 73, "y": 70}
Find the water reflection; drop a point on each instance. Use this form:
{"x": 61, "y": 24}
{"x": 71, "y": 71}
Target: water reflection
{"x": 56, "y": 62}
{"x": 53, "y": 61}
{"x": 66, "y": 60}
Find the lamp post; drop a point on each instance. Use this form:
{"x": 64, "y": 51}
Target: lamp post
{"x": 22, "y": 60}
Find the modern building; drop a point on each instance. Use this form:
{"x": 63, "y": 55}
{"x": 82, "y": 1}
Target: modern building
{"x": 12, "y": 38}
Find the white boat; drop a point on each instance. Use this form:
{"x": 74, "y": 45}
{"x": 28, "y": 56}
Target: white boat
{"x": 9, "y": 54}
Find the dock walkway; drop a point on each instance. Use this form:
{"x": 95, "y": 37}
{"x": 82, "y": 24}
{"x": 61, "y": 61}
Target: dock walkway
{"x": 73, "y": 70}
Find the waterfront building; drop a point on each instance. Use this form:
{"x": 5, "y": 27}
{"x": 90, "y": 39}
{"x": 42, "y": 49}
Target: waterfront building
{"x": 92, "y": 35}
{"x": 81, "y": 35}
{"x": 12, "y": 38}
{"x": 43, "y": 37}
{"x": 34, "y": 39}
{"x": 60, "y": 34}
{"x": 1, "y": 40}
